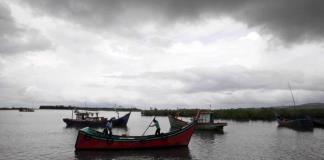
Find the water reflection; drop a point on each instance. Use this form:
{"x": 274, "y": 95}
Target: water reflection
{"x": 170, "y": 153}
{"x": 296, "y": 129}
{"x": 207, "y": 144}
{"x": 207, "y": 135}
{"x": 201, "y": 131}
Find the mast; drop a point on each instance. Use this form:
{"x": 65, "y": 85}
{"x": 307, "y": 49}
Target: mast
{"x": 116, "y": 111}
{"x": 292, "y": 95}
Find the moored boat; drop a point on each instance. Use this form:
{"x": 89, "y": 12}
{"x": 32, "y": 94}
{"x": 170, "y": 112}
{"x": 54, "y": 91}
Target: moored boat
{"x": 298, "y": 123}
{"x": 176, "y": 122}
{"x": 305, "y": 123}
{"x": 205, "y": 121}
{"x": 84, "y": 119}
{"x": 121, "y": 121}
{"x": 89, "y": 139}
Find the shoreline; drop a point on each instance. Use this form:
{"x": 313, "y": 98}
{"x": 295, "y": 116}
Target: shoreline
{"x": 238, "y": 114}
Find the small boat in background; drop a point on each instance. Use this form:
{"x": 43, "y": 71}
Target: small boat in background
{"x": 298, "y": 123}
{"x": 89, "y": 139}
{"x": 120, "y": 121}
{"x": 205, "y": 121}
{"x": 26, "y": 110}
{"x": 87, "y": 119}
{"x": 175, "y": 122}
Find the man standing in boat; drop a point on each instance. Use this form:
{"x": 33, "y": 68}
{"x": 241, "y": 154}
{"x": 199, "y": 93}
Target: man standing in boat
{"x": 109, "y": 127}
{"x": 157, "y": 125}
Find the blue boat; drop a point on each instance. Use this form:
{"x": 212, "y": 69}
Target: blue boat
{"x": 122, "y": 121}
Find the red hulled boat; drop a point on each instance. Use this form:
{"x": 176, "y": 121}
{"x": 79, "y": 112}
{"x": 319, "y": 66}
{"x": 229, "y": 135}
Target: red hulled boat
{"x": 89, "y": 139}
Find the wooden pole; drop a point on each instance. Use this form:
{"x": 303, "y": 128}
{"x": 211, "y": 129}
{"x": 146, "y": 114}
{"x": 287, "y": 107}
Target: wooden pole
{"x": 148, "y": 127}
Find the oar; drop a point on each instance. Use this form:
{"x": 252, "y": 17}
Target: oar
{"x": 148, "y": 127}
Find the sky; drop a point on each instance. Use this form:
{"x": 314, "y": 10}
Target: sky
{"x": 161, "y": 53}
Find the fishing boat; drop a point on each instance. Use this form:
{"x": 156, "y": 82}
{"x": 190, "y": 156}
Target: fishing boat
{"x": 87, "y": 119}
{"x": 26, "y": 110}
{"x": 205, "y": 121}
{"x": 175, "y": 122}
{"x": 298, "y": 123}
{"x": 305, "y": 123}
{"x": 120, "y": 121}
{"x": 89, "y": 139}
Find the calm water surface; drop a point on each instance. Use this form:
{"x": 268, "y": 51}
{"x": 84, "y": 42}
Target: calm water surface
{"x": 42, "y": 135}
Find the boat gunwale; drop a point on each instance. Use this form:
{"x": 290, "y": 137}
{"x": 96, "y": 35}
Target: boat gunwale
{"x": 116, "y": 138}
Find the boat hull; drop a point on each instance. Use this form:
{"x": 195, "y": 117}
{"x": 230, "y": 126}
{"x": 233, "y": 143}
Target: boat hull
{"x": 120, "y": 122}
{"x": 300, "y": 124}
{"x": 318, "y": 122}
{"x": 211, "y": 126}
{"x": 93, "y": 140}
{"x": 84, "y": 123}
{"x": 177, "y": 123}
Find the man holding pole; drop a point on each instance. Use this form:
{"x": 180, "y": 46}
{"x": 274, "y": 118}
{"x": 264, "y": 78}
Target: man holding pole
{"x": 157, "y": 125}
{"x": 109, "y": 127}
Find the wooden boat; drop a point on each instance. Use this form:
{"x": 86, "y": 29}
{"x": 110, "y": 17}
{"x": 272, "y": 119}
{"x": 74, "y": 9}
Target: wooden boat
{"x": 205, "y": 121}
{"x": 26, "y": 110}
{"x": 89, "y": 139}
{"x": 121, "y": 121}
{"x": 298, "y": 124}
{"x": 87, "y": 119}
{"x": 175, "y": 122}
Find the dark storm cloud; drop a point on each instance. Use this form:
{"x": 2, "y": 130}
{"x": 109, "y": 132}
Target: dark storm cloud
{"x": 15, "y": 39}
{"x": 7, "y": 24}
{"x": 289, "y": 20}
{"x": 232, "y": 78}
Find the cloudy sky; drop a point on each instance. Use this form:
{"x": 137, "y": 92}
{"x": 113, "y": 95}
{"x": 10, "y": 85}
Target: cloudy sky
{"x": 161, "y": 53}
